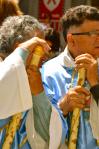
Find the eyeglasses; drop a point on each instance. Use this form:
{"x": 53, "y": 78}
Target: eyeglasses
{"x": 91, "y": 33}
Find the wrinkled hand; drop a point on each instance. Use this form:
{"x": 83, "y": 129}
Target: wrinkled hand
{"x": 33, "y": 42}
{"x": 77, "y": 97}
{"x": 34, "y": 75}
{"x": 90, "y": 64}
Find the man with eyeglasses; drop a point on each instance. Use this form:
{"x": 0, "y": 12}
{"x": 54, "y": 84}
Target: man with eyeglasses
{"x": 81, "y": 32}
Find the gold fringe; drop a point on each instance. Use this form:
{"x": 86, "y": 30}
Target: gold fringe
{"x": 23, "y": 142}
{"x": 12, "y": 128}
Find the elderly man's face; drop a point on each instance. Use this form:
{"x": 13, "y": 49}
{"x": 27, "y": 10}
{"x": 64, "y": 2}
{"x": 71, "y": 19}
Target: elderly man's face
{"x": 86, "y": 40}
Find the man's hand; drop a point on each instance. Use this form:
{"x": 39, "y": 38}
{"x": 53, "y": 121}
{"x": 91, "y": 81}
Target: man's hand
{"x": 88, "y": 62}
{"x": 33, "y": 42}
{"x": 77, "y": 97}
{"x": 34, "y": 75}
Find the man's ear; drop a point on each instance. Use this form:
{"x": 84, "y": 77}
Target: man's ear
{"x": 70, "y": 39}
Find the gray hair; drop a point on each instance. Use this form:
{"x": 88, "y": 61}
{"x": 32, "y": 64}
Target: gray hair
{"x": 17, "y": 29}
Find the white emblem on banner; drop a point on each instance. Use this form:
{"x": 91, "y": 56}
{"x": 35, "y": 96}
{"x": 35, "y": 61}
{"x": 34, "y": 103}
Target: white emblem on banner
{"x": 51, "y": 4}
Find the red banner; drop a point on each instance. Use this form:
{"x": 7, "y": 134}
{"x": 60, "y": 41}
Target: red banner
{"x": 51, "y": 10}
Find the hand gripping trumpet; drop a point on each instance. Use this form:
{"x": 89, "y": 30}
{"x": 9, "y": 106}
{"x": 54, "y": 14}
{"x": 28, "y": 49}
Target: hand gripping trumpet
{"x": 76, "y": 115}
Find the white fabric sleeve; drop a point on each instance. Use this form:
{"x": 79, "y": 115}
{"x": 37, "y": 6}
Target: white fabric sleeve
{"x": 15, "y": 94}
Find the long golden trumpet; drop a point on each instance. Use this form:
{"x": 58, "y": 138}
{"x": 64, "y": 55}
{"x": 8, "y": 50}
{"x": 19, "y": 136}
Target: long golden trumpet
{"x": 76, "y": 115}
